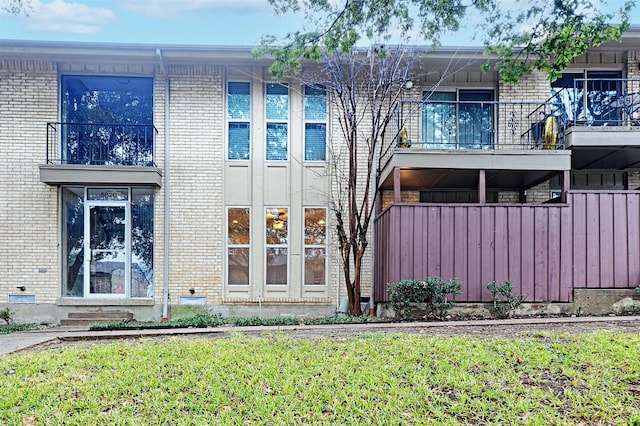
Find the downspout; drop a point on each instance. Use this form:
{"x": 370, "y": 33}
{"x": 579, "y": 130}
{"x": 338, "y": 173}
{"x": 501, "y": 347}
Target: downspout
{"x": 165, "y": 275}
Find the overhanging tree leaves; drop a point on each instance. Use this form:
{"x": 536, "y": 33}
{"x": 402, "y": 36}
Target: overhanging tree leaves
{"x": 17, "y": 7}
{"x": 543, "y": 35}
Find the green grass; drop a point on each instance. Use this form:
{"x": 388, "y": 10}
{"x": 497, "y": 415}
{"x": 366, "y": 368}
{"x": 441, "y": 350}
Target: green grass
{"x": 398, "y": 379}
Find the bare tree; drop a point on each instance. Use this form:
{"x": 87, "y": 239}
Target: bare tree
{"x": 364, "y": 88}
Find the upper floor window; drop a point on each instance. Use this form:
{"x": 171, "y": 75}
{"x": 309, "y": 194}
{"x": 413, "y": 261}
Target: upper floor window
{"x": 315, "y": 123}
{"x": 588, "y": 97}
{"x": 458, "y": 119}
{"x": 107, "y": 120}
{"x": 239, "y": 120}
{"x": 277, "y": 118}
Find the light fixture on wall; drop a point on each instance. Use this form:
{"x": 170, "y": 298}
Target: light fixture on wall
{"x": 278, "y": 224}
{"x": 408, "y": 85}
{"x": 277, "y": 221}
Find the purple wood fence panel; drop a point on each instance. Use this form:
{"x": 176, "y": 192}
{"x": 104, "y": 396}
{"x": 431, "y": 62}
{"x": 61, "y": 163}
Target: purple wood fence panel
{"x": 544, "y": 250}
{"x": 579, "y": 240}
{"x": 514, "y": 251}
{"x": 620, "y": 236}
{"x": 633, "y": 241}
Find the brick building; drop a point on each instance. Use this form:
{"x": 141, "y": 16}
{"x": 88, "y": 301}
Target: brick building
{"x": 156, "y": 178}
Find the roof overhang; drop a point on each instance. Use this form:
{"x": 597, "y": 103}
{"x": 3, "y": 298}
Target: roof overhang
{"x": 74, "y": 174}
{"x": 422, "y": 169}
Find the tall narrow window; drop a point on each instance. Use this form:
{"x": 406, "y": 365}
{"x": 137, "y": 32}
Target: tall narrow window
{"x": 315, "y": 246}
{"x": 315, "y": 123}
{"x": 277, "y": 116}
{"x": 475, "y": 119}
{"x": 239, "y": 120}
{"x": 142, "y": 242}
{"x": 277, "y": 246}
{"x": 238, "y": 245}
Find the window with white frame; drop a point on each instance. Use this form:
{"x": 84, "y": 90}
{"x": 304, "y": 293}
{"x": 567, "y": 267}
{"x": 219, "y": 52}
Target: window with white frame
{"x": 277, "y": 118}
{"x": 277, "y": 246}
{"x": 238, "y": 120}
{"x": 315, "y": 123}
{"x": 238, "y": 245}
{"x": 315, "y": 246}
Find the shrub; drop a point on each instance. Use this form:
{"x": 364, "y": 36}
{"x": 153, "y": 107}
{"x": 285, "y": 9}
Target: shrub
{"x": 504, "y": 301}
{"x": 12, "y": 328}
{"x": 6, "y": 315}
{"x": 252, "y": 321}
{"x": 432, "y": 291}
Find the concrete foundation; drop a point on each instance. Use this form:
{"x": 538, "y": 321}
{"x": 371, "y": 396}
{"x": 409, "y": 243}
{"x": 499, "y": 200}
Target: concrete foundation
{"x": 606, "y": 301}
{"x": 586, "y": 302}
{"x": 50, "y": 314}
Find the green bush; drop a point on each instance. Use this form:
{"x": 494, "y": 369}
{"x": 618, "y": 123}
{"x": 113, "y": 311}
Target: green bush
{"x": 6, "y": 315}
{"x": 200, "y": 320}
{"x": 340, "y": 319}
{"x": 12, "y": 328}
{"x": 504, "y": 301}
{"x": 251, "y": 321}
{"x": 432, "y": 291}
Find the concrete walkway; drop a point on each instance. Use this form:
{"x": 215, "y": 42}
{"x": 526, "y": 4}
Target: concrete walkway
{"x": 14, "y": 342}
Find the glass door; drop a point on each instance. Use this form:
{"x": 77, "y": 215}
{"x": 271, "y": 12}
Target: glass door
{"x": 475, "y": 119}
{"x": 439, "y": 120}
{"x": 107, "y": 249}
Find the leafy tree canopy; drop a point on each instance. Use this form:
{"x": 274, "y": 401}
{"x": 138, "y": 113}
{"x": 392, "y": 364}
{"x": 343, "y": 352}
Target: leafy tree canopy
{"x": 16, "y": 7}
{"x": 544, "y": 35}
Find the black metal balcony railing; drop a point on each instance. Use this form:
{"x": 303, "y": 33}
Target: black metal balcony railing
{"x": 101, "y": 144}
{"x": 484, "y": 125}
{"x": 598, "y": 102}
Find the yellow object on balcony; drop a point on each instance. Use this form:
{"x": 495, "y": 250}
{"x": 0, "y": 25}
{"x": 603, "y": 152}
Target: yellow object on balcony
{"x": 403, "y": 137}
{"x": 550, "y": 133}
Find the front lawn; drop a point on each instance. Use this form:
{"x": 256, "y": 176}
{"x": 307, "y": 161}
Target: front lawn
{"x": 373, "y": 379}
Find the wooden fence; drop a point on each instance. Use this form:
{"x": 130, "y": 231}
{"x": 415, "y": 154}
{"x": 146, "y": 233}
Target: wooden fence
{"x": 545, "y": 250}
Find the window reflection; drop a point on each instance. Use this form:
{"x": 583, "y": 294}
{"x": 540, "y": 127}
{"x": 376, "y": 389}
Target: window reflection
{"x": 239, "y": 120}
{"x": 277, "y": 250}
{"x": 315, "y": 252}
{"x": 238, "y": 242}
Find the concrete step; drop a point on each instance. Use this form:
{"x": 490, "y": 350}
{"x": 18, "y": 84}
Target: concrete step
{"x": 101, "y": 315}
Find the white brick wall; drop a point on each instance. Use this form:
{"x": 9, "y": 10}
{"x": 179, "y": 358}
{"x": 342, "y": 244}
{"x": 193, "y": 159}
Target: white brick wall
{"x": 197, "y": 213}
{"x": 28, "y": 208}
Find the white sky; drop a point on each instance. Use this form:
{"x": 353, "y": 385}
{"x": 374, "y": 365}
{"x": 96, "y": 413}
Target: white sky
{"x": 208, "y": 22}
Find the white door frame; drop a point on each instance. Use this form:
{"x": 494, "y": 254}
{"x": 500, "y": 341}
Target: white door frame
{"x": 89, "y": 204}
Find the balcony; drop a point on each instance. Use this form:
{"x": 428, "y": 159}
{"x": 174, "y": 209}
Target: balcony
{"x": 600, "y": 121}
{"x": 89, "y": 153}
{"x": 597, "y": 103}
{"x": 473, "y": 125}
{"x": 446, "y": 144}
